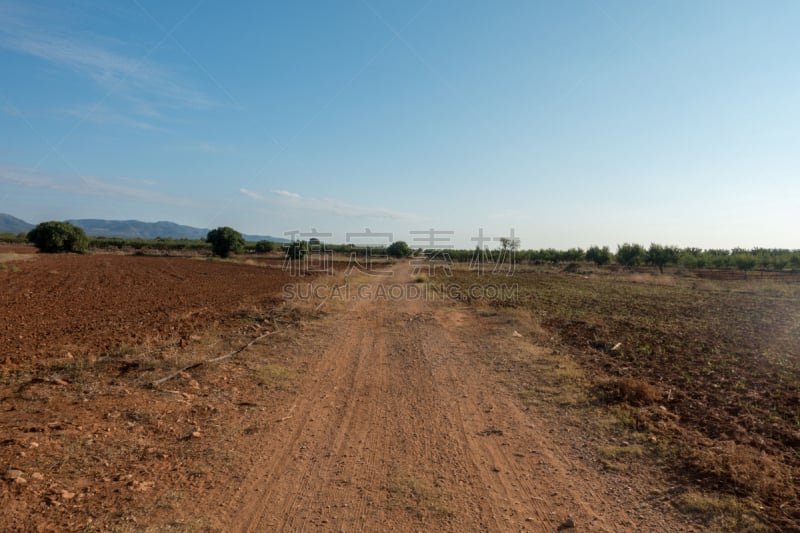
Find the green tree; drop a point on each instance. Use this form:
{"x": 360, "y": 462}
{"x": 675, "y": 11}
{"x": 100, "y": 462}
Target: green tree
{"x": 263, "y": 247}
{"x": 598, "y": 256}
{"x": 55, "y": 237}
{"x": 630, "y": 255}
{"x": 225, "y": 241}
{"x": 794, "y": 260}
{"x": 780, "y": 261}
{"x": 718, "y": 258}
{"x": 572, "y": 255}
{"x": 296, "y": 250}
{"x": 690, "y": 260}
{"x": 744, "y": 262}
{"x": 398, "y": 249}
{"x": 509, "y": 245}
{"x": 661, "y": 256}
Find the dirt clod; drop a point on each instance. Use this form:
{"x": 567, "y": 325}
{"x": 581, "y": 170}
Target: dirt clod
{"x": 13, "y": 473}
{"x": 569, "y": 523}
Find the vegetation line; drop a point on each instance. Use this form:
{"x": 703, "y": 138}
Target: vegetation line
{"x": 224, "y": 241}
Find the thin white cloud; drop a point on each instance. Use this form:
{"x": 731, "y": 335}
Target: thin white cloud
{"x": 146, "y": 85}
{"x": 287, "y": 194}
{"x": 252, "y": 194}
{"x": 10, "y": 110}
{"x": 88, "y": 186}
{"x": 102, "y": 114}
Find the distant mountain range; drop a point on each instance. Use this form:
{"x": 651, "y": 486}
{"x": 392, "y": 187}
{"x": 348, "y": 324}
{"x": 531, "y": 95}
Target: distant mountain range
{"x": 129, "y": 229}
{"x": 9, "y": 224}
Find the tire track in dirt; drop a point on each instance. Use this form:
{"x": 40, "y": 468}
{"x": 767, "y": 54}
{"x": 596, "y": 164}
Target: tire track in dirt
{"x": 340, "y": 456}
{"x": 481, "y": 447}
{"x": 518, "y": 480}
{"x": 398, "y": 426}
{"x": 307, "y": 467}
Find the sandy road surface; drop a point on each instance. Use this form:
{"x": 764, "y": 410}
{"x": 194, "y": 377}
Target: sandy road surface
{"x": 397, "y": 427}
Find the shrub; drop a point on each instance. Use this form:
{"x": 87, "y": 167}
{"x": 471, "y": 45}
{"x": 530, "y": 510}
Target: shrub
{"x": 398, "y": 249}
{"x": 692, "y": 258}
{"x": 630, "y": 254}
{"x": 296, "y": 250}
{"x": 56, "y": 237}
{"x": 263, "y": 247}
{"x": 719, "y": 260}
{"x": 779, "y": 262}
{"x": 744, "y": 262}
{"x": 661, "y": 255}
{"x": 598, "y": 256}
{"x": 627, "y": 390}
{"x": 225, "y": 241}
{"x": 574, "y": 254}
{"x": 11, "y": 238}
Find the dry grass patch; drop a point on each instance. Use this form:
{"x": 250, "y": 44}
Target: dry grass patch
{"x": 721, "y": 512}
{"x": 559, "y": 380}
{"x": 627, "y": 390}
{"x": 617, "y": 457}
{"x": 7, "y": 257}
{"x": 746, "y": 469}
{"x": 630, "y": 419}
{"x": 416, "y": 496}
{"x": 616, "y": 452}
{"x": 274, "y": 376}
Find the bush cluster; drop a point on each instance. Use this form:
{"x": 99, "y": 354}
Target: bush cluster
{"x": 263, "y": 247}
{"x": 158, "y": 243}
{"x": 58, "y": 237}
{"x": 225, "y": 241}
{"x": 398, "y": 249}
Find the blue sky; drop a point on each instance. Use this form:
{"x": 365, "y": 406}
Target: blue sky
{"x": 573, "y": 123}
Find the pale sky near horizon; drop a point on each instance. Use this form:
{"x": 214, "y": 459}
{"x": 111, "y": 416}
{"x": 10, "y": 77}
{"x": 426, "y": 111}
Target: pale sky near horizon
{"x": 573, "y": 123}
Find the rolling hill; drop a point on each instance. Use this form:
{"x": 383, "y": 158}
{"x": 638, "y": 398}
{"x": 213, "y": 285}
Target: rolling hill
{"x": 130, "y": 229}
{"x": 9, "y": 224}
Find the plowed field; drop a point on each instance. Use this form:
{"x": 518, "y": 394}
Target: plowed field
{"x": 93, "y": 304}
{"x": 374, "y": 410}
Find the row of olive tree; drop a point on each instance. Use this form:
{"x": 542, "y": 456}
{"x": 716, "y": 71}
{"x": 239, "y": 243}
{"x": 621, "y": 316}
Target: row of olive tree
{"x": 54, "y": 237}
{"x": 657, "y": 255}
{"x": 661, "y": 256}
{"x": 158, "y": 243}
{"x": 630, "y": 255}
{"x": 14, "y": 238}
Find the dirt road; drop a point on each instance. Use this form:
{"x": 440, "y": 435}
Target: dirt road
{"x": 398, "y": 426}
